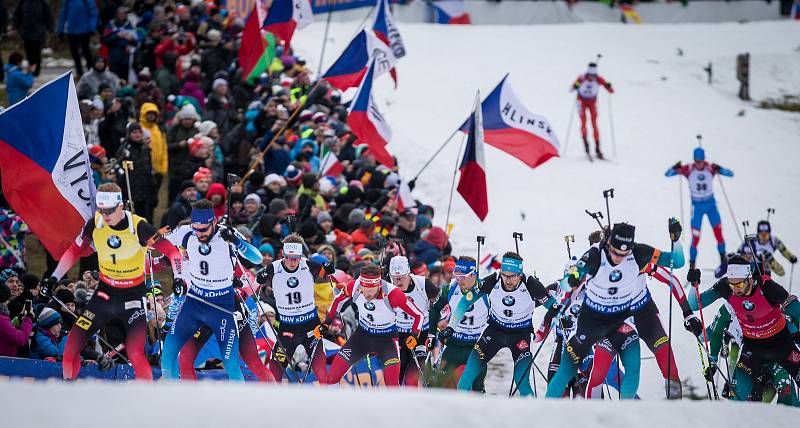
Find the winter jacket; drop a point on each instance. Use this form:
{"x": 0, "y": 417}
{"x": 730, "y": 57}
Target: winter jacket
{"x": 12, "y": 337}
{"x": 192, "y": 89}
{"x": 33, "y": 20}
{"x": 218, "y": 189}
{"x": 18, "y": 83}
{"x": 181, "y": 209}
{"x": 426, "y": 252}
{"x": 167, "y": 81}
{"x": 116, "y": 45}
{"x": 213, "y": 60}
{"x": 77, "y": 17}
{"x": 142, "y": 180}
{"x": 178, "y": 154}
{"x": 158, "y": 143}
{"x": 47, "y": 345}
{"x": 112, "y": 130}
{"x": 89, "y": 84}
{"x": 222, "y": 112}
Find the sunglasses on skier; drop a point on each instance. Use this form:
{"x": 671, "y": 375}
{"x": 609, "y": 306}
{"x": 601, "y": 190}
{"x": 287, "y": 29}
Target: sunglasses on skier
{"x": 199, "y": 227}
{"x": 741, "y": 283}
{"x": 107, "y": 211}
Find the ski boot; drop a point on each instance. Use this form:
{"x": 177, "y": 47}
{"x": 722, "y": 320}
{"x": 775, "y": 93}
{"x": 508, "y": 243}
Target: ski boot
{"x": 598, "y": 152}
{"x": 586, "y": 148}
{"x": 674, "y": 390}
{"x": 723, "y": 266}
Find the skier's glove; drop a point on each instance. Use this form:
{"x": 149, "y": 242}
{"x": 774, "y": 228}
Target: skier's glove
{"x": 329, "y": 269}
{"x": 411, "y": 342}
{"x": 677, "y": 165}
{"x": 320, "y": 330}
{"x": 675, "y": 229}
{"x": 693, "y": 277}
{"x": 793, "y": 259}
{"x": 237, "y": 282}
{"x": 261, "y": 276}
{"x": 105, "y": 363}
{"x": 446, "y": 333}
{"x": 693, "y": 325}
{"x": 567, "y": 322}
{"x": 227, "y": 233}
{"x": 430, "y": 343}
{"x": 710, "y": 371}
{"x": 179, "y": 287}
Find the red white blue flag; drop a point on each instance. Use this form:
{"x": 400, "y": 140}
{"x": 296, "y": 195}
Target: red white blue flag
{"x": 284, "y": 16}
{"x": 47, "y": 177}
{"x": 472, "y": 182}
{"x": 350, "y": 67}
{"x": 450, "y": 12}
{"x": 386, "y": 30}
{"x": 368, "y": 123}
{"x": 512, "y": 128}
{"x": 795, "y": 12}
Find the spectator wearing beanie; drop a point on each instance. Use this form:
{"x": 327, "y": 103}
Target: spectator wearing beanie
{"x": 253, "y": 210}
{"x": 181, "y": 209}
{"x": 66, "y": 306}
{"x": 49, "y": 343}
{"x": 178, "y": 145}
{"x": 364, "y": 235}
{"x": 430, "y": 248}
{"x": 12, "y": 337}
{"x": 267, "y": 254}
{"x": 273, "y": 185}
{"x": 218, "y": 196}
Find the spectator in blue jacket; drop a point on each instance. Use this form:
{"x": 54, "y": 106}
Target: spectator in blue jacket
{"x": 48, "y": 343}
{"x": 19, "y": 78}
{"x": 78, "y": 20}
{"x": 120, "y": 39}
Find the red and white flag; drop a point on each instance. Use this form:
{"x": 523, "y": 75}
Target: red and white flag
{"x": 330, "y": 165}
{"x": 368, "y": 123}
{"x": 472, "y": 182}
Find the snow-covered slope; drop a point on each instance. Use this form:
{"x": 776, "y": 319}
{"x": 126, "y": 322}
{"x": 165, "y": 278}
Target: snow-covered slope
{"x": 223, "y": 405}
{"x": 662, "y": 101}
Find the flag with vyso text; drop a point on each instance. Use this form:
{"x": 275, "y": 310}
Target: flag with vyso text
{"x": 512, "y": 128}
{"x": 348, "y": 70}
{"x": 47, "y": 177}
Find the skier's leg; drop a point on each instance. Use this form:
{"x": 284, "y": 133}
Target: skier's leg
{"x": 566, "y": 371}
{"x": 631, "y": 359}
{"x": 189, "y": 351}
{"x": 749, "y": 365}
{"x": 228, "y": 341}
{"x": 388, "y": 351}
{"x": 595, "y": 131}
{"x": 135, "y": 336}
{"x": 184, "y": 326}
{"x": 317, "y": 357}
{"x": 350, "y": 353}
{"x": 582, "y": 113}
{"x": 94, "y": 316}
{"x": 485, "y": 349}
{"x": 603, "y": 355}
{"x": 716, "y": 224}
{"x": 696, "y": 223}
{"x": 648, "y": 324}
{"x": 249, "y": 353}
{"x": 555, "y": 358}
{"x": 520, "y": 346}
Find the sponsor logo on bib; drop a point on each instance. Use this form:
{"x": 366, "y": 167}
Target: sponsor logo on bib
{"x": 508, "y": 300}
{"x": 748, "y": 305}
{"x": 369, "y": 306}
{"x": 615, "y": 275}
{"x": 292, "y": 282}
{"x": 204, "y": 249}
{"x": 114, "y": 241}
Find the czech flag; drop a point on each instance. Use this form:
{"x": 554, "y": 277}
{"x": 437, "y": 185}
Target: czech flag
{"x": 512, "y": 128}
{"x": 404, "y": 198}
{"x": 450, "y": 12}
{"x": 284, "y": 16}
{"x": 330, "y": 165}
{"x": 350, "y": 67}
{"x": 367, "y": 122}
{"x": 46, "y": 174}
{"x": 472, "y": 182}
{"x": 386, "y": 30}
{"x": 795, "y": 12}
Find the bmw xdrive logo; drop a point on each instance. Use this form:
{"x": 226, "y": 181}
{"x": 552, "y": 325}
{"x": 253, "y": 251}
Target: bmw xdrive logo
{"x": 701, "y": 177}
{"x": 114, "y": 241}
{"x": 508, "y": 300}
{"x": 748, "y": 305}
{"x": 204, "y": 249}
{"x": 369, "y": 306}
{"x": 292, "y": 282}
{"x": 615, "y": 275}
{"x": 575, "y": 309}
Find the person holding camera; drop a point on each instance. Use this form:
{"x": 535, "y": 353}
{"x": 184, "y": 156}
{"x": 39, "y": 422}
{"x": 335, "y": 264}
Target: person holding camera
{"x": 11, "y": 336}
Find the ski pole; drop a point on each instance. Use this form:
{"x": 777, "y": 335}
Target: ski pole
{"x": 608, "y": 194}
{"x": 128, "y": 167}
{"x": 680, "y": 195}
{"x": 671, "y": 299}
{"x": 153, "y": 292}
{"x": 481, "y": 241}
{"x": 613, "y": 134}
{"x": 419, "y": 368}
{"x": 453, "y": 183}
{"x": 770, "y": 211}
{"x": 791, "y": 278}
{"x": 568, "y": 239}
{"x": 569, "y": 127}
{"x": 99, "y": 338}
{"x": 705, "y": 341}
{"x": 325, "y": 38}
{"x": 517, "y": 238}
{"x": 730, "y": 207}
{"x": 311, "y": 359}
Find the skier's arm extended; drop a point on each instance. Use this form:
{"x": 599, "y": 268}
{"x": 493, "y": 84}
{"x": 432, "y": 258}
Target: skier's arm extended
{"x": 792, "y": 310}
{"x": 677, "y": 169}
{"x": 721, "y": 170}
{"x": 716, "y": 331}
{"x": 82, "y": 246}
{"x": 709, "y": 296}
{"x": 538, "y": 293}
{"x": 339, "y": 300}
{"x": 785, "y": 251}
{"x": 662, "y": 274}
{"x": 245, "y": 249}
{"x": 398, "y": 299}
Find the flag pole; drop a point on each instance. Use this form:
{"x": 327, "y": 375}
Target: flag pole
{"x": 436, "y": 153}
{"x": 458, "y": 159}
{"x": 325, "y": 38}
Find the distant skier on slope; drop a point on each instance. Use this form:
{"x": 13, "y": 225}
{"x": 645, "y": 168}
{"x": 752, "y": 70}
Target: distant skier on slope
{"x": 765, "y": 247}
{"x": 588, "y": 86}
{"x": 700, "y": 175}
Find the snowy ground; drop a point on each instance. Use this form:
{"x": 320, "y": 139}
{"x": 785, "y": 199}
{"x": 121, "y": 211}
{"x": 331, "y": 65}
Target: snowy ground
{"x": 216, "y": 405}
{"x": 662, "y": 101}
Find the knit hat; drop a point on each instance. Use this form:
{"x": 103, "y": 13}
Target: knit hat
{"x": 293, "y": 174}
{"x": 323, "y": 216}
{"x": 97, "y": 151}
{"x": 205, "y": 127}
{"x": 217, "y": 83}
{"x": 267, "y": 248}
{"x": 622, "y": 236}
{"x": 185, "y": 184}
{"x": 273, "y": 178}
{"x": 7, "y": 274}
{"x": 65, "y": 296}
{"x": 356, "y": 216}
{"x": 195, "y": 145}
{"x": 277, "y": 205}
{"x": 187, "y": 112}
{"x": 29, "y": 280}
{"x": 252, "y": 197}
{"x": 201, "y": 174}
{"x": 48, "y": 318}
{"x": 214, "y": 36}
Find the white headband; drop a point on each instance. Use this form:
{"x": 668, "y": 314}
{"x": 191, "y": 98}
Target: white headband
{"x": 108, "y": 199}
{"x": 738, "y": 271}
{"x": 293, "y": 250}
